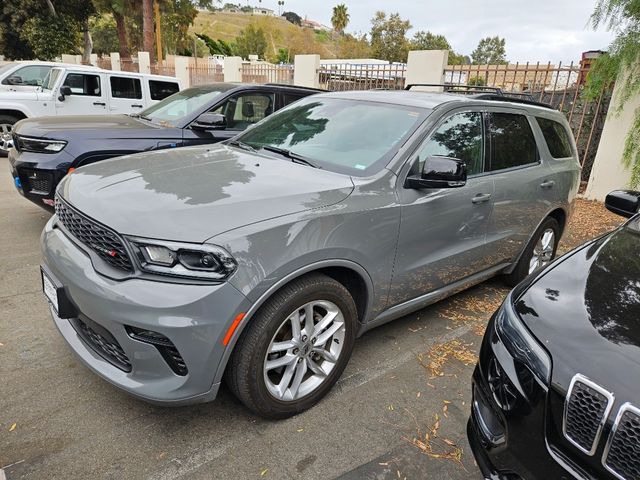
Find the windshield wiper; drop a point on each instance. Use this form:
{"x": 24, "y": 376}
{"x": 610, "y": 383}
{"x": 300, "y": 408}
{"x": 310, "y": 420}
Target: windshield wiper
{"x": 294, "y": 157}
{"x": 137, "y": 115}
{"x": 242, "y": 145}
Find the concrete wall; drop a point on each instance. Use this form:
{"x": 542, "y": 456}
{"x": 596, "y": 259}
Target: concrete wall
{"x": 426, "y": 66}
{"x": 232, "y": 69}
{"x": 182, "y": 70}
{"x": 608, "y": 172}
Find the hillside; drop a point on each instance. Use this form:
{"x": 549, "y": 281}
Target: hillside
{"x": 280, "y": 33}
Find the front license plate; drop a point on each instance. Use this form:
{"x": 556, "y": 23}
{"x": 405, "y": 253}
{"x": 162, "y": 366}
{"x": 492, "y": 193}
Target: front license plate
{"x": 50, "y": 290}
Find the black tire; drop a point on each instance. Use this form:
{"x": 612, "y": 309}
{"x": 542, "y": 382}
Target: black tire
{"x": 245, "y": 371}
{"x": 7, "y": 119}
{"x": 521, "y": 271}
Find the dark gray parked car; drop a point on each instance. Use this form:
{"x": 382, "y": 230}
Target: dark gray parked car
{"x": 261, "y": 260}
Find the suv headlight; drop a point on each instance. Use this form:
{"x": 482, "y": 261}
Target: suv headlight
{"x": 40, "y": 145}
{"x": 521, "y": 344}
{"x": 185, "y": 260}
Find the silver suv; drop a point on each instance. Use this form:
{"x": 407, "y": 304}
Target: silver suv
{"x": 261, "y": 260}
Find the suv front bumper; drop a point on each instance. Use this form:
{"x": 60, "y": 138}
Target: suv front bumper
{"x": 195, "y": 318}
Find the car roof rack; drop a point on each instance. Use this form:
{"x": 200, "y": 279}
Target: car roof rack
{"x": 297, "y": 87}
{"x": 483, "y": 92}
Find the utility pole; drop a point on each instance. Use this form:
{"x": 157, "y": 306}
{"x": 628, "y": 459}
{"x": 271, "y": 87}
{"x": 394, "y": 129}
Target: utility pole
{"x": 156, "y": 9}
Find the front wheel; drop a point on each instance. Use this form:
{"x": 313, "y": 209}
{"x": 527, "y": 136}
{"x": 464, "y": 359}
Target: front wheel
{"x": 295, "y": 348}
{"x": 539, "y": 253}
{"x": 6, "y": 140}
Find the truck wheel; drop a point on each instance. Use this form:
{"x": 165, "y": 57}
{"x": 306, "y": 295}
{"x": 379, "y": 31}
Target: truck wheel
{"x": 295, "y": 347}
{"x": 540, "y": 251}
{"x": 6, "y": 141}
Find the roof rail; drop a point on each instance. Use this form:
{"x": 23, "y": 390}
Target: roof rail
{"x": 276, "y": 84}
{"x": 483, "y": 92}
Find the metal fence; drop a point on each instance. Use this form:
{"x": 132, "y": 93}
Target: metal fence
{"x": 559, "y": 85}
{"x": 204, "y": 74}
{"x": 351, "y": 76}
{"x": 266, "y": 73}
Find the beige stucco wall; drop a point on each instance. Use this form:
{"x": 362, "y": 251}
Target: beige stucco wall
{"x": 608, "y": 172}
{"x": 426, "y": 66}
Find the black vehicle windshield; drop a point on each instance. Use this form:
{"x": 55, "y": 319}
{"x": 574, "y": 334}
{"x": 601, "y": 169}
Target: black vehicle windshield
{"x": 172, "y": 110}
{"x": 347, "y": 136}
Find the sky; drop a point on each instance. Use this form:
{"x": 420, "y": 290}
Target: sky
{"x": 535, "y": 30}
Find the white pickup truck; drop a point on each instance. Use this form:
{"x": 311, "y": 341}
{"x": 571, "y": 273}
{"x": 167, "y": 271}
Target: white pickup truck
{"x": 81, "y": 90}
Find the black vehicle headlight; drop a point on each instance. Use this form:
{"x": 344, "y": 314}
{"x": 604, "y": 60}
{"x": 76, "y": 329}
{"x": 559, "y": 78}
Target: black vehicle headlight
{"x": 40, "y": 145}
{"x": 521, "y": 344}
{"x": 186, "y": 260}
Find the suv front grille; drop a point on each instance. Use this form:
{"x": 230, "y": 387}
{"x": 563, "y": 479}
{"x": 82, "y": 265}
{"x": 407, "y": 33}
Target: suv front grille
{"x": 586, "y": 408}
{"x": 622, "y": 454}
{"x": 104, "y": 242}
{"x": 107, "y": 348}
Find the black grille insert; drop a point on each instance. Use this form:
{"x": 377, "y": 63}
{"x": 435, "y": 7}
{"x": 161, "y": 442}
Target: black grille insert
{"x": 103, "y": 343}
{"x": 586, "y": 409}
{"x": 104, "y": 242}
{"x": 165, "y": 346}
{"x": 622, "y": 456}
{"x": 37, "y": 181}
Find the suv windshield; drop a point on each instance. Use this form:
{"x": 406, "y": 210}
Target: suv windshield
{"x": 347, "y": 136}
{"x": 174, "y": 108}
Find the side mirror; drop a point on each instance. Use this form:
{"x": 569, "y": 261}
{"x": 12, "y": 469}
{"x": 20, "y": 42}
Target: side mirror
{"x": 65, "y": 91}
{"x": 440, "y": 172}
{"x": 623, "y": 202}
{"x": 13, "y": 80}
{"x": 210, "y": 121}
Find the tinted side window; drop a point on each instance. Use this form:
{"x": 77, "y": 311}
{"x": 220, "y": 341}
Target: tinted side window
{"x": 291, "y": 97}
{"x": 512, "y": 141}
{"x": 246, "y": 109}
{"x": 161, "y": 90}
{"x": 125, "y": 87}
{"x": 556, "y": 137}
{"x": 82, "y": 84}
{"x": 460, "y": 136}
{"x": 33, "y": 75}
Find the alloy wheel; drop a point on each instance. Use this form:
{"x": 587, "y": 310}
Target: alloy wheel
{"x": 304, "y": 350}
{"x": 543, "y": 251}
{"x": 6, "y": 140}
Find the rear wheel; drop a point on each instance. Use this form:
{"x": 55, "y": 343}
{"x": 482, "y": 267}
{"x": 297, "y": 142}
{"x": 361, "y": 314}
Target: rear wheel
{"x": 6, "y": 140}
{"x": 295, "y": 348}
{"x": 540, "y": 251}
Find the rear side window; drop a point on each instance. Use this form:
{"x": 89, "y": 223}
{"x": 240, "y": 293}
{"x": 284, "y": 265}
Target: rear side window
{"x": 125, "y": 87}
{"x": 557, "y": 138}
{"x": 512, "y": 141}
{"x": 82, "y": 84}
{"x": 161, "y": 90}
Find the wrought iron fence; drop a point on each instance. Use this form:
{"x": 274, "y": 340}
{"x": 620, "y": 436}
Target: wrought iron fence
{"x": 351, "y": 76}
{"x": 557, "y": 85}
{"x": 167, "y": 70}
{"x": 204, "y": 74}
{"x": 266, "y": 73}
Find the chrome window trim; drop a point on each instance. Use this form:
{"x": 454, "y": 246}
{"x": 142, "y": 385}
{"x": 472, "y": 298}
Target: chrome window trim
{"x": 610, "y": 398}
{"x": 626, "y": 407}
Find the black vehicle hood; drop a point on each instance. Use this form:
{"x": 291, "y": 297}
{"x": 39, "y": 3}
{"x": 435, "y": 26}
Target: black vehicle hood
{"x": 194, "y": 193}
{"x": 586, "y": 312}
{"x": 88, "y": 126}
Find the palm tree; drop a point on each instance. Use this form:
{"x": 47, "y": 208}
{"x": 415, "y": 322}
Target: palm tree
{"x": 147, "y": 28}
{"x": 340, "y": 18}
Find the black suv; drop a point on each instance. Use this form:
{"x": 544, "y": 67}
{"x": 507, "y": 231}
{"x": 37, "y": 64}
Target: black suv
{"x": 47, "y": 148}
{"x": 556, "y": 392}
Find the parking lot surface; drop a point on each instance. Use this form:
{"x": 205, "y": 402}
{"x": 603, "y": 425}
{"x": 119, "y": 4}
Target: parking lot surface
{"x": 406, "y": 380}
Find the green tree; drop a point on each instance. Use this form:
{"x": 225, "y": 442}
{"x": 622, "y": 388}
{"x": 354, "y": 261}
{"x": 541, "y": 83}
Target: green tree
{"x": 388, "y": 37}
{"x": 293, "y": 17}
{"x": 429, "y": 41}
{"x": 340, "y": 18}
{"x": 353, "y": 46}
{"x": 104, "y": 34}
{"x": 252, "y": 41}
{"x": 621, "y": 64}
{"x": 117, "y": 9}
{"x": 491, "y": 51}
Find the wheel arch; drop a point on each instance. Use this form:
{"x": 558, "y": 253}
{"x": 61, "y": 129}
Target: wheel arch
{"x": 557, "y": 213}
{"x": 350, "y": 274}
{"x": 13, "y": 112}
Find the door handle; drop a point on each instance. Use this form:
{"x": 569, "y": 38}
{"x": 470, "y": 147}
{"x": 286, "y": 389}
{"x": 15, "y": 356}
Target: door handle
{"x": 481, "y": 198}
{"x": 136, "y": 106}
{"x": 100, "y": 103}
{"x": 547, "y": 184}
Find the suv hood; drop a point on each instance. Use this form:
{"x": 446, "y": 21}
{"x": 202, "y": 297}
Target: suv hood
{"x": 586, "y": 311}
{"x": 65, "y": 127}
{"x": 191, "y": 194}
